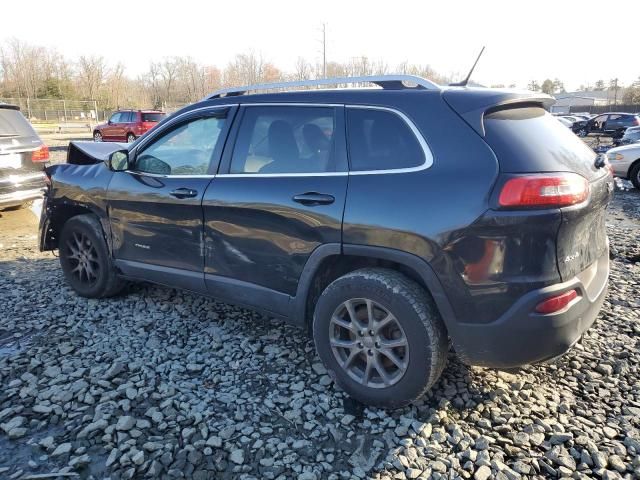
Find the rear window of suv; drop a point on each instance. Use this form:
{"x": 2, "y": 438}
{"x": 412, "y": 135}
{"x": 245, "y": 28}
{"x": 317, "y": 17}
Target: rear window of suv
{"x": 152, "y": 117}
{"x": 381, "y": 140}
{"x": 13, "y": 124}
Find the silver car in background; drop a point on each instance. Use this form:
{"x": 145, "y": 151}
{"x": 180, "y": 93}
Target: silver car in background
{"x": 625, "y": 161}
{"x": 631, "y": 135}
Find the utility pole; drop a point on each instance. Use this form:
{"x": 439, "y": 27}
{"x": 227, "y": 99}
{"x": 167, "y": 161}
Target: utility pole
{"x": 324, "y": 50}
{"x": 615, "y": 91}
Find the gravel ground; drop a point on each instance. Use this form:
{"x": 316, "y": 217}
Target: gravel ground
{"x": 161, "y": 383}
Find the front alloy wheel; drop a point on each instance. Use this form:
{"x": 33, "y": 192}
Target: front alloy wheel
{"x": 83, "y": 258}
{"x": 97, "y": 137}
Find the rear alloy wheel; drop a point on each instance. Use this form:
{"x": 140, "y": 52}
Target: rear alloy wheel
{"x": 634, "y": 176}
{"x": 85, "y": 259}
{"x": 131, "y": 138}
{"x": 368, "y": 343}
{"x": 380, "y": 337}
{"x": 97, "y": 136}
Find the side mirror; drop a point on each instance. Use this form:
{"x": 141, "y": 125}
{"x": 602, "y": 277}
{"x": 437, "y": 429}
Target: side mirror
{"x": 109, "y": 122}
{"x": 118, "y": 161}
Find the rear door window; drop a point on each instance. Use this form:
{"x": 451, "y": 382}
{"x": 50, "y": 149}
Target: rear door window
{"x": 283, "y": 139}
{"x": 381, "y": 140}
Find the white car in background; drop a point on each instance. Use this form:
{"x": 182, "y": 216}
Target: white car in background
{"x": 625, "y": 161}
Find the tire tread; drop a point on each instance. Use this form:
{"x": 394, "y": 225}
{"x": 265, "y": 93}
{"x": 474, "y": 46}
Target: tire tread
{"x": 114, "y": 283}
{"x": 426, "y": 310}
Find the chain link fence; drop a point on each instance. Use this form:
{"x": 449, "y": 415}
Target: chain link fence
{"x": 58, "y": 115}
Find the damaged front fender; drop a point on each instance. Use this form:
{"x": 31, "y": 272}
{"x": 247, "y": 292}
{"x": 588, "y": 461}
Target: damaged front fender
{"x": 77, "y": 187}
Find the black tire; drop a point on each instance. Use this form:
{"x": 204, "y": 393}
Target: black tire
{"x": 420, "y": 322}
{"x": 84, "y": 233}
{"x": 634, "y": 175}
{"x": 131, "y": 138}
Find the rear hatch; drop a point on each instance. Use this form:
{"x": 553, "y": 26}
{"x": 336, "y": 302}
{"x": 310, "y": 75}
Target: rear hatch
{"x": 527, "y": 139}
{"x": 150, "y": 119}
{"x": 18, "y": 142}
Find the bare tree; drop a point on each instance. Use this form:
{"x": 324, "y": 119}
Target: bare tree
{"x": 245, "y": 69}
{"x": 116, "y": 84}
{"x": 303, "y": 70}
{"x": 91, "y": 74}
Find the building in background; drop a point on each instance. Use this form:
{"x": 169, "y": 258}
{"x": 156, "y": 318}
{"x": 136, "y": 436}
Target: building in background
{"x": 595, "y": 98}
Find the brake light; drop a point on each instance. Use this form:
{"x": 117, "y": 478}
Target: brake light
{"x": 556, "y": 303}
{"x": 41, "y": 154}
{"x": 544, "y": 190}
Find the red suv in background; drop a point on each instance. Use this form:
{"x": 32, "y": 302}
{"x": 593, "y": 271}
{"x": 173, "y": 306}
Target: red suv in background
{"x": 127, "y": 125}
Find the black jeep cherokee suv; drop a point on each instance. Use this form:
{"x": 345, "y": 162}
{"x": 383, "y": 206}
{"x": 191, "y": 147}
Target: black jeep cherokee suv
{"x": 388, "y": 221}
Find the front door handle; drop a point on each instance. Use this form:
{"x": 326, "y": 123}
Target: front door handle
{"x": 314, "y": 198}
{"x": 183, "y": 193}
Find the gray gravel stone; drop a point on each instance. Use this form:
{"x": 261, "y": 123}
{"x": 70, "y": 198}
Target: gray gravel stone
{"x": 61, "y": 449}
{"x": 158, "y": 383}
{"x": 482, "y": 473}
{"x": 125, "y": 423}
{"x": 237, "y": 456}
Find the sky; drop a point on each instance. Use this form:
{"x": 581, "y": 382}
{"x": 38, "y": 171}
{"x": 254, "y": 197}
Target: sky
{"x": 567, "y": 39}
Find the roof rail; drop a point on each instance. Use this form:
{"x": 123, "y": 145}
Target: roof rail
{"x": 391, "y": 82}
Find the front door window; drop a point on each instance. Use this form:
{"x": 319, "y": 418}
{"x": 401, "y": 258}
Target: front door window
{"x": 185, "y": 150}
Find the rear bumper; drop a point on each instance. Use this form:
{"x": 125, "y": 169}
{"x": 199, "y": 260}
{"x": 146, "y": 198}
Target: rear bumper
{"x": 19, "y": 197}
{"x": 20, "y": 188}
{"x": 521, "y": 336}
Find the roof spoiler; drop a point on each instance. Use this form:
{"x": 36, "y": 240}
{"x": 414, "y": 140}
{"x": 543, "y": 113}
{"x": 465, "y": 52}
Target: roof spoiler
{"x": 472, "y": 104}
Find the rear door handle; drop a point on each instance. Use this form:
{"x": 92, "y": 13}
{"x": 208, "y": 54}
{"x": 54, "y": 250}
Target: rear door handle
{"x": 183, "y": 193}
{"x": 314, "y": 198}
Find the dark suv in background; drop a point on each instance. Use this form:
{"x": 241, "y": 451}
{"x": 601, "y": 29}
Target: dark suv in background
{"x": 22, "y": 159}
{"x": 387, "y": 222}
{"x": 127, "y": 125}
{"x": 609, "y": 124}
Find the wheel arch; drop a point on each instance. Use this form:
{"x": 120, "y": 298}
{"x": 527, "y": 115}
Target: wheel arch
{"x": 330, "y": 261}
{"x": 62, "y": 214}
{"x": 632, "y": 166}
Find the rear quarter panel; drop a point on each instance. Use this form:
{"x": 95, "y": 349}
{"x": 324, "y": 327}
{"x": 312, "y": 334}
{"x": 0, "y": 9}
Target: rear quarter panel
{"x": 427, "y": 213}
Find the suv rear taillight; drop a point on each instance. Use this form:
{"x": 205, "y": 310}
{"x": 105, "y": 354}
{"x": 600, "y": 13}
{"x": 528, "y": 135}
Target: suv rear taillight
{"x": 41, "y": 154}
{"x": 544, "y": 190}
